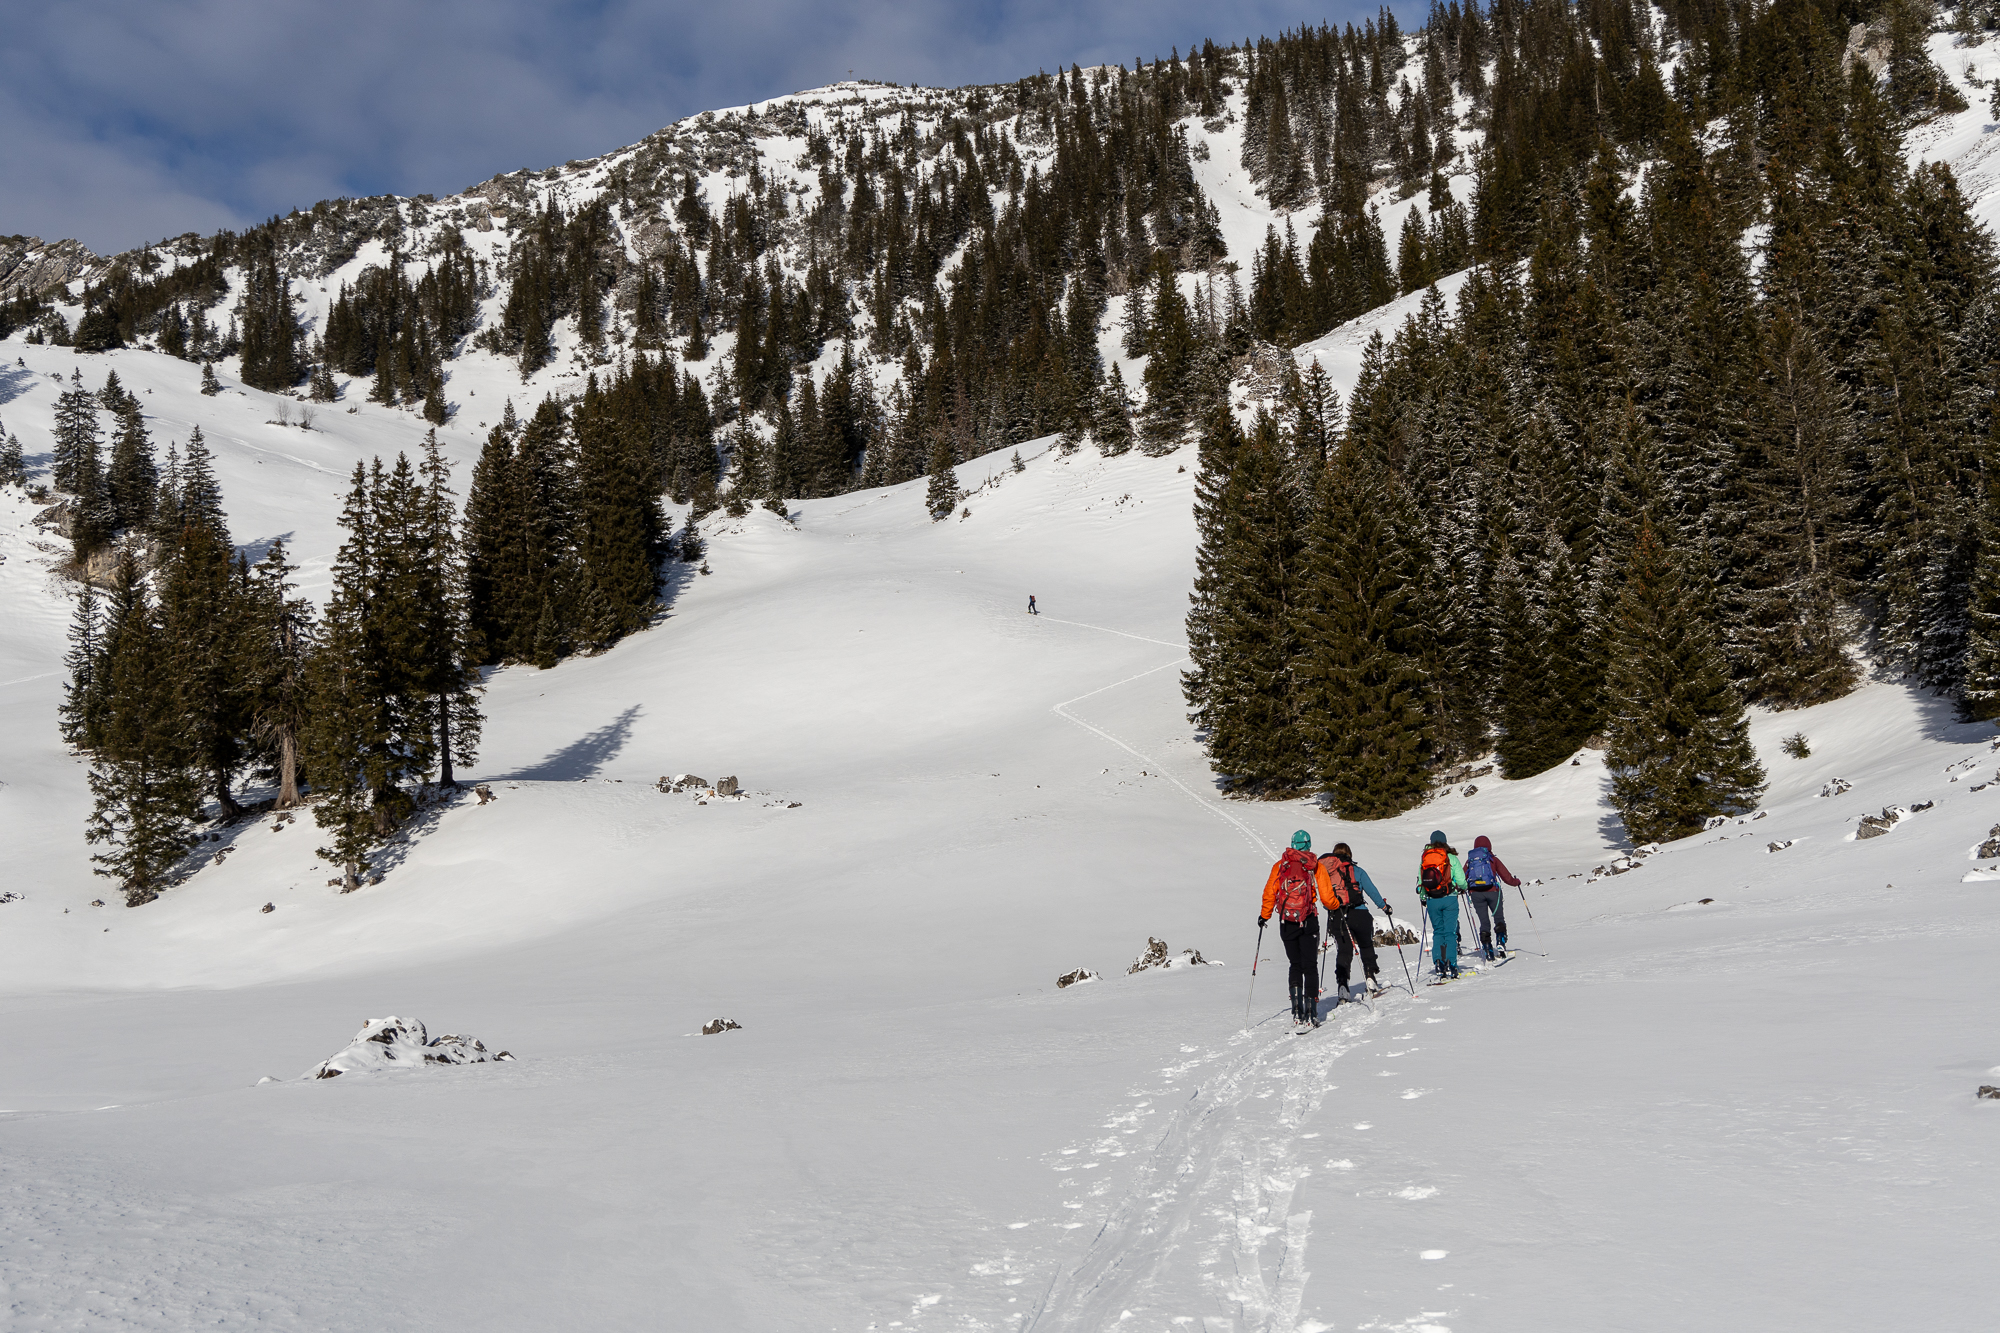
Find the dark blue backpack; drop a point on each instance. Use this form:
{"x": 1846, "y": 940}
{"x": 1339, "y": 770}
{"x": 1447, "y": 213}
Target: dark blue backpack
{"x": 1479, "y": 868}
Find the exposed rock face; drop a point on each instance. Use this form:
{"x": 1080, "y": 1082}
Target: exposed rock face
{"x": 715, "y": 1025}
{"x": 30, "y": 266}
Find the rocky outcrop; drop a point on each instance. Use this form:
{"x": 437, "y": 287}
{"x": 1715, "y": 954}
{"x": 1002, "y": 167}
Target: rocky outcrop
{"x": 402, "y": 1043}
{"x": 31, "y": 267}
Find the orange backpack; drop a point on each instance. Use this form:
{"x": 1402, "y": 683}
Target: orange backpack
{"x": 1434, "y": 872}
{"x": 1295, "y": 885}
{"x": 1340, "y": 874}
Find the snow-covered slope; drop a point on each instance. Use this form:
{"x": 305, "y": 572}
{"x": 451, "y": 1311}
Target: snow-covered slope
{"x": 1773, "y": 1090}
{"x": 1733, "y": 1087}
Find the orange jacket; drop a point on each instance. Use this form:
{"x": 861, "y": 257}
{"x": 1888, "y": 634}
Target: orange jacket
{"x": 1327, "y": 897}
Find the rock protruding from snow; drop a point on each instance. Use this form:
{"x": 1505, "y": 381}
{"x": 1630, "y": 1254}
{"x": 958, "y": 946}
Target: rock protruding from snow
{"x": 715, "y": 1025}
{"x": 1874, "y": 826}
{"x": 1837, "y": 787}
{"x": 725, "y": 786}
{"x": 1991, "y": 847}
{"x": 1157, "y": 955}
{"x": 1076, "y": 978}
{"x": 403, "y": 1043}
{"x": 1394, "y": 934}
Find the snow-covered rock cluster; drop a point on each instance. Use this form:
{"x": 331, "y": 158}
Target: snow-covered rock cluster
{"x": 1156, "y": 955}
{"x": 402, "y": 1043}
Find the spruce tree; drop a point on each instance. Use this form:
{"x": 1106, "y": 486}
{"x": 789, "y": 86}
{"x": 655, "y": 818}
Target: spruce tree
{"x": 1250, "y": 685}
{"x": 13, "y": 468}
{"x": 82, "y": 694}
{"x": 274, "y": 649}
{"x": 134, "y": 477}
{"x": 1170, "y": 391}
{"x": 1678, "y": 744}
{"x": 143, "y": 781}
{"x": 619, "y": 542}
{"x": 1795, "y": 551}
{"x": 200, "y": 621}
{"x": 1361, "y": 686}
{"x": 941, "y": 496}
{"x": 447, "y": 673}
{"x": 210, "y": 386}
{"x": 77, "y": 455}
{"x": 348, "y": 742}
{"x": 1111, "y": 423}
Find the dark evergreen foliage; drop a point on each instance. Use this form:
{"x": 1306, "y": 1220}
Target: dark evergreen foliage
{"x": 1678, "y": 743}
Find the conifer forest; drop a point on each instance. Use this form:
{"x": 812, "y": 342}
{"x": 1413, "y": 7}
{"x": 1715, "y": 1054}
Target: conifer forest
{"x": 1704, "y": 426}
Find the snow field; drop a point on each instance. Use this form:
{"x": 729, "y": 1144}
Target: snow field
{"x": 913, "y": 1125}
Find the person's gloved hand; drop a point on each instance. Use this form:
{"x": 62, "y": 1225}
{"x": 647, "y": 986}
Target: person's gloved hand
{"x": 1263, "y": 921}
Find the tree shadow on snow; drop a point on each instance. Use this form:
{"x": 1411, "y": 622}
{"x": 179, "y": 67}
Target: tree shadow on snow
{"x": 675, "y": 575}
{"x": 582, "y": 757}
{"x": 255, "y": 551}
{"x": 1939, "y": 717}
{"x": 14, "y": 381}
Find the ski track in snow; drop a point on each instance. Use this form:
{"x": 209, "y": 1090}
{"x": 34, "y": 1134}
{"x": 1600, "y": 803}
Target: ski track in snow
{"x": 1205, "y": 1218}
{"x": 1062, "y": 710}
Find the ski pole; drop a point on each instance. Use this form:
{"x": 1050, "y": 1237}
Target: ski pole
{"x": 1423, "y": 935}
{"x": 1396, "y": 938}
{"x": 1253, "y": 971}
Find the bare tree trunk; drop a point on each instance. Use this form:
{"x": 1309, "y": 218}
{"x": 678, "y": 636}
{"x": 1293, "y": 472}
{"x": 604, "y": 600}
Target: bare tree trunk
{"x": 230, "y": 808}
{"x": 350, "y": 877}
{"x": 288, "y": 769}
{"x": 445, "y": 779}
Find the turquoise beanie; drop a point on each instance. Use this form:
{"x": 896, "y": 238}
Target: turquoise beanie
{"x": 1302, "y": 841}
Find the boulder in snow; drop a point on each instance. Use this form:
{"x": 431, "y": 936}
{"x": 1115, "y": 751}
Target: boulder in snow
{"x": 725, "y": 786}
{"x": 1396, "y": 934}
{"x": 715, "y": 1025}
{"x": 1779, "y": 846}
{"x": 1874, "y": 826}
{"x": 1837, "y": 787}
{"x": 1990, "y": 1092}
{"x": 402, "y": 1043}
{"x": 1076, "y": 978}
{"x": 1156, "y": 955}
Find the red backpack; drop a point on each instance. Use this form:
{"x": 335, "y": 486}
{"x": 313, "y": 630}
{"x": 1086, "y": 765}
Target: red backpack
{"x": 1434, "y": 872}
{"x": 1295, "y": 885}
{"x": 1341, "y": 874}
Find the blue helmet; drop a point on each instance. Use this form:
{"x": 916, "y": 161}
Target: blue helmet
{"x": 1302, "y": 841}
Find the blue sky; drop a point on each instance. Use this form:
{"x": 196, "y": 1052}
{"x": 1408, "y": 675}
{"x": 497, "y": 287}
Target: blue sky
{"x": 125, "y": 122}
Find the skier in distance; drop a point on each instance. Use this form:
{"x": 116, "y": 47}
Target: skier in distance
{"x": 1031, "y": 605}
{"x": 1483, "y": 888}
{"x": 1349, "y": 926}
{"x": 1439, "y": 877}
{"x": 1295, "y": 882}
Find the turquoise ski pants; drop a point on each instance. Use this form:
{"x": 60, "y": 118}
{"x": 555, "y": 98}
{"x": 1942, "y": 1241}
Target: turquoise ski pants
{"x": 1444, "y": 930}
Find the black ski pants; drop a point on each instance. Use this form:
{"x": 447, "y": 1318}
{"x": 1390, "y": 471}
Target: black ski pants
{"x": 1490, "y": 903}
{"x": 1351, "y": 928}
{"x": 1302, "y": 947}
